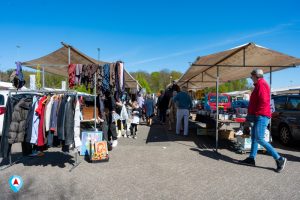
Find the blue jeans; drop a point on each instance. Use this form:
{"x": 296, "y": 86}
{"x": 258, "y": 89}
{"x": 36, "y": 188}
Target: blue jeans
{"x": 257, "y": 137}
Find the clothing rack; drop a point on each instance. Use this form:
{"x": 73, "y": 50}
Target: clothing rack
{"x": 40, "y": 93}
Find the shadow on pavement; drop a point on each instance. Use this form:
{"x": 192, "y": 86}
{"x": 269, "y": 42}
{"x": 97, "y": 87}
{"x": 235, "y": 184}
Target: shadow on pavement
{"x": 218, "y": 156}
{"x": 55, "y": 159}
{"x": 160, "y": 133}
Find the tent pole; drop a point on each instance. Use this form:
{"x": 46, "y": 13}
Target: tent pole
{"x": 95, "y": 103}
{"x": 271, "y": 101}
{"x": 95, "y": 88}
{"x": 217, "y": 110}
{"x": 69, "y": 55}
{"x": 43, "y": 77}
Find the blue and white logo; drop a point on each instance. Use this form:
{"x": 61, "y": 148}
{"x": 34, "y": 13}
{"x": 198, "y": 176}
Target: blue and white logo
{"x": 15, "y": 183}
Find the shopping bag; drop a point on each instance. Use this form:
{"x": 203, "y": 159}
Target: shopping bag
{"x": 115, "y": 116}
{"x": 124, "y": 114}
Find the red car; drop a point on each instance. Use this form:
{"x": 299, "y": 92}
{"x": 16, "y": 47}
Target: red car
{"x": 224, "y": 101}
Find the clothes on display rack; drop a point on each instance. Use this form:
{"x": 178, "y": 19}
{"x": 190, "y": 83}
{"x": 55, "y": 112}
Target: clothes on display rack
{"x": 30, "y": 116}
{"x": 109, "y": 77}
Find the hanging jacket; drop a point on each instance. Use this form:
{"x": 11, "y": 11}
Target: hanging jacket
{"x": 29, "y": 120}
{"x": 53, "y": 116}
{"x": 17, "y": 127}
{"x": 71, "y": 72}
{"x": 77, "y": 125}
{"x": 106, "y": 78}
{"x": 4, "y": 147}
{"x": 69, "y": 121}
{"x": 41, "y": 113}
{"x": 48, "y": 114}
{"x": 100, "y": 77}
{"x": 61, "y": 118}
{"x": 78, "y": 71}
{"x": 35, "y": 124}
{"x": 112, "y": 80}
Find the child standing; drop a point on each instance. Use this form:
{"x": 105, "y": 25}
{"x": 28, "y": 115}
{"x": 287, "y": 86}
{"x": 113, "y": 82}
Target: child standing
{"x": 136, "y": 113}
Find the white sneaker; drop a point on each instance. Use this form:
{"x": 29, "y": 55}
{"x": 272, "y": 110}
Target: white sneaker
{"x": 114, "y": 143}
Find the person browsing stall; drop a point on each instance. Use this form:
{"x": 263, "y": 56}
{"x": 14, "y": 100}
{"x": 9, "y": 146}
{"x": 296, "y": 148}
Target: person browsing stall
{"x": 184, "y": 104}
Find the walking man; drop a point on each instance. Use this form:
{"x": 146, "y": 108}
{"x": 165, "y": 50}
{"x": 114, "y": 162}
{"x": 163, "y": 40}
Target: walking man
{"x": 259, "y": 112}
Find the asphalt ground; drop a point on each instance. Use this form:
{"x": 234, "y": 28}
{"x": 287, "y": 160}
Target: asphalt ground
{"x": 157, "y": 165}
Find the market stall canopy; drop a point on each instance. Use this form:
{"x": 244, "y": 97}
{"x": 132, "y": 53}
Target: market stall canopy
{"x": 234, "y": 64}
{"x": 57, "y": 63}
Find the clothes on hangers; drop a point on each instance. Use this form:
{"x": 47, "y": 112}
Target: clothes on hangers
{"x": 35, "y": 125}
{"x": 71, "y": 72}
{"x": 77, "y": 139}
{"x": 106, "y": 78}
{"x": 48, "y": 113}
{"x": 78, "y": 71}
{"x": 41, "y": 114}
{"x": 53, "y": 115}
{"x": 18, "y": 121}
{"x": 29, "y": 120}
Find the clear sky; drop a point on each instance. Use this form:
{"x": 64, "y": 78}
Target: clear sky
{"x": 149, "y": 35}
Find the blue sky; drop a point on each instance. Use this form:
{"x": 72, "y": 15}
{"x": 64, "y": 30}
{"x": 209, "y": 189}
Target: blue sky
{"x": 149, "y": 35}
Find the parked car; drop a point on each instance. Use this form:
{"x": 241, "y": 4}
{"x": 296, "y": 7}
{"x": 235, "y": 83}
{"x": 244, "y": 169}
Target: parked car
{"x": 240, "y": 104}
{"x": 3, "y": 99}
{"x": 224, "y": 101}
{"x": 286, "y": 118}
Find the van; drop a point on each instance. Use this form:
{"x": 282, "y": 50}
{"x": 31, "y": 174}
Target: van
{"x": 224, "y": 101}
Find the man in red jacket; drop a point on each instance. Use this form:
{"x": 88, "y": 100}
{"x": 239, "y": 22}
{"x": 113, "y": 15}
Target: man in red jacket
{"x": 259, "y": 112}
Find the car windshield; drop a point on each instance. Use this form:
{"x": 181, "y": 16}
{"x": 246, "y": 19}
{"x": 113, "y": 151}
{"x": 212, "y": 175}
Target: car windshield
{"x": 1, "y": 100}
{"x": 240, "y": 103}
{"x": 293, "y": 103}
{"x": 222, "y": 99}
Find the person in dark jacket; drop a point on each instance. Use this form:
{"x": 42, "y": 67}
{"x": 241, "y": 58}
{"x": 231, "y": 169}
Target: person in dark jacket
{"x": 162, "y": 105}
{"x": 109, "y": 126}
{"x": 259, "y": 110}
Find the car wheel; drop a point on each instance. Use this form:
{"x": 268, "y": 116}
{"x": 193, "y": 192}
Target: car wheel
{"x": 285, "y": 135}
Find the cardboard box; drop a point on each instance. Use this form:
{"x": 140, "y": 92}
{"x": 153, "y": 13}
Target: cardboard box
{"x": 226, "y": 134}
{"x": 245, "y": 143}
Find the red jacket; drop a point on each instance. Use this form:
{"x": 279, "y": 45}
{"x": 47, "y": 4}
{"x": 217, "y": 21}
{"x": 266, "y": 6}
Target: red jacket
{"x": 260, "y": 99}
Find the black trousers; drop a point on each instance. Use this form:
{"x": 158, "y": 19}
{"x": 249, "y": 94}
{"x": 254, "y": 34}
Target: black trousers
{"x": 133, "y": 129}
{"x": 109, "y": 128}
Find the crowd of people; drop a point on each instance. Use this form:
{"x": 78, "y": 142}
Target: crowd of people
{"x": 170, "y": 107}
{"x": 121, "y": 116}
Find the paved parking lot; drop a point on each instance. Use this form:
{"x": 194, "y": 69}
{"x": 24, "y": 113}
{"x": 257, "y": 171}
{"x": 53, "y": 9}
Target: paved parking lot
{"x": 158, "y": 165}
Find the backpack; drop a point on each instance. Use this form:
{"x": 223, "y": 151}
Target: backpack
{"x": 17, "y": 78}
